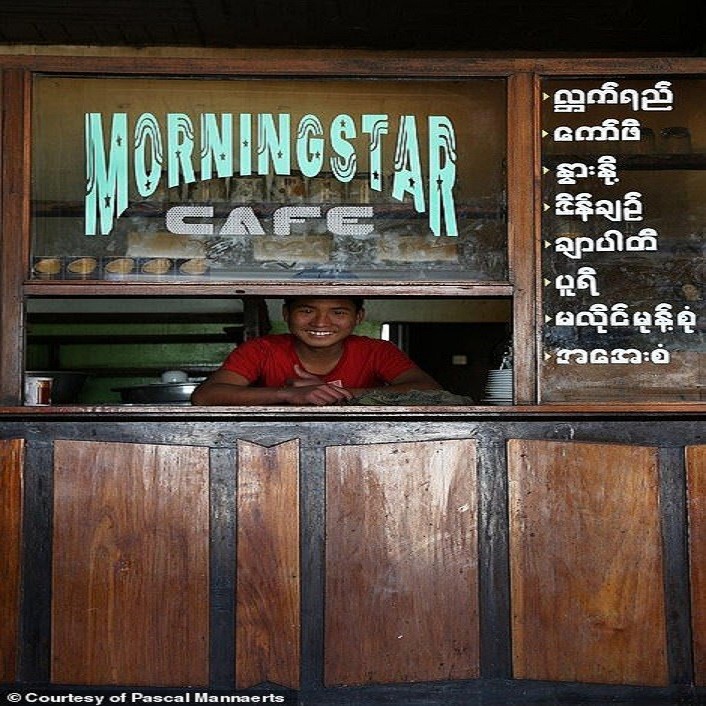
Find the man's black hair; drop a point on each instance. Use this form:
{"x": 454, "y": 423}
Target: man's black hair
{"x": 358, "y": 302}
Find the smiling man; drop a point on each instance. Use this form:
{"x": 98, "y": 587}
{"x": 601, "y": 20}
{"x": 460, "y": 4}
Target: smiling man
{"x": 319, "y": 362}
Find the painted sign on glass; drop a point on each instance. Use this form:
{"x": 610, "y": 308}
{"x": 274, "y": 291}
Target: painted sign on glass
{"x": 367, "y": 180}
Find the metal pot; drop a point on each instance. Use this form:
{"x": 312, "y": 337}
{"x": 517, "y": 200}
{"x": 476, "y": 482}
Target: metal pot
{"x": 158, "y": 393}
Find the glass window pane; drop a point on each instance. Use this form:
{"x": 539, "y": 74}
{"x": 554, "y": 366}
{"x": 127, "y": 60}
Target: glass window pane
{"x": 181, "y": 179}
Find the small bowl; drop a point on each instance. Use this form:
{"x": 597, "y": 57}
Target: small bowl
{"x": 174, "y": 376}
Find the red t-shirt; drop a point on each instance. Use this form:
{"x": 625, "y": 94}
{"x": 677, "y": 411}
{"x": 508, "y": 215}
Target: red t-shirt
{"x": 268, "y": 361}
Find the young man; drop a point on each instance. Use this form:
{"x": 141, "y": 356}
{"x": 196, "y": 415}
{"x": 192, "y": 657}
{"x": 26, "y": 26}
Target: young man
{"x": 320, "y": 362}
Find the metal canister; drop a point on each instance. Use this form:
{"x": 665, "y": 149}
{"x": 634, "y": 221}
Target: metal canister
{"x": 38, "y": 390}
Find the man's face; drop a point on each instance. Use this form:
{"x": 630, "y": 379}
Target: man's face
{"x": 321, "y": 323}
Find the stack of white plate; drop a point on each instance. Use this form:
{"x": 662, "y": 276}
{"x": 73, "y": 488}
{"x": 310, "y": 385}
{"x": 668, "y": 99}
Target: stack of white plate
{"x": 498, "y": 387}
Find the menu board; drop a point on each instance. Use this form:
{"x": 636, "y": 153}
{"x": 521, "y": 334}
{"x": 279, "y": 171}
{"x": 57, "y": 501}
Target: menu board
{"x": 624, "y": 215}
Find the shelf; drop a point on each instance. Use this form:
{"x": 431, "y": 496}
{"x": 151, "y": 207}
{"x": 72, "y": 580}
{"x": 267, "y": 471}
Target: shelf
{"x": 116, "y": 339}
{"x": 151, "y": 371}
{"x": 269, "y": 288}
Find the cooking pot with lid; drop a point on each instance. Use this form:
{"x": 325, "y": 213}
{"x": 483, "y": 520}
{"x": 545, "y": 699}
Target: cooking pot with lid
{"x": 158, "y": 392}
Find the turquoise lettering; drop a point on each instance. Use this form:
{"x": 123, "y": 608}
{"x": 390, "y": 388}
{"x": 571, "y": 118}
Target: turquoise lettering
{"x": 172, "y": 147}
{"x": 344, "y": 165}
{"x": 273, "y": 143}
{"x": 106, "y": 179}
{"x": 442, "y": 174}
{"x": 310, "y": 145}
{"x": 148, "y": 154}
{"x": 216, "y": 145}
{"x": 245, "y": 144}
{"x": 408, "y": 167}
{"x": 181, "y": 147}
{"x": 376, "y": 126}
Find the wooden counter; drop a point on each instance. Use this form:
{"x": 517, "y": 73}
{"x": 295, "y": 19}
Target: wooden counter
{"x": 127, "y": 412}
{"x": 440, "y": 555}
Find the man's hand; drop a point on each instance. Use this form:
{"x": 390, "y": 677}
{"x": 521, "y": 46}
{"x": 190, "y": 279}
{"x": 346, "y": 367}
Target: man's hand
{"x": 311, "y": 389}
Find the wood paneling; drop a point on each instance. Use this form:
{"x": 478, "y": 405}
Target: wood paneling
{"x": 522, "y": 226}
{"x": 268, "y": 620}
{"x": 586, "y": 563}
{"x": 14, "y": 227}
{"x": 401, "y": 563}
{"x": 11, "y": 472}
{"x": 696, "y": 503}
{"x": 130, "y": 576}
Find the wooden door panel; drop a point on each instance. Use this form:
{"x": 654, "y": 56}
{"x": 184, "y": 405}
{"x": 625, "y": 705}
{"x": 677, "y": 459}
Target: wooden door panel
{"x": 268, "y": 620}
{"x": 130, "y": 601}
{"x": 401, "y": 563}
{"x": 11, "y": 473}
{"x": 586, "y": 563}
{"x": 696, "y": 484}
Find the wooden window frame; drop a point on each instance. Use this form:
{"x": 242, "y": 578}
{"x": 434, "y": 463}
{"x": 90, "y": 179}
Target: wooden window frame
{"x": 523, "y": 76}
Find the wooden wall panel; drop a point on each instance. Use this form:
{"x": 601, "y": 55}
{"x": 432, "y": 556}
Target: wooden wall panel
{"x": 586, "y": 563}
{"x": 130, "y": 602}
{"x": 268, "y": 616}
{"x": 696, "y": 503}
{"x": 523, "y": 209}
{"x": 11, "y": 473}
{"x": 15, "y": 188}
{"x": 401, "y": 563}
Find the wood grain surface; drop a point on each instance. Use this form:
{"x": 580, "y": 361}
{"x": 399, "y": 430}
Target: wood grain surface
{"x": 401, "y": 563}
{"x": 586, "y": 563}
{"x": 15, "y": 94}
{"x": 268, "y": 616}
{"x": 11, "y": 475}
{"x": 522, "y": 205}
{"x": 130, "y": 599}
{"x": 696, "y": 503}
